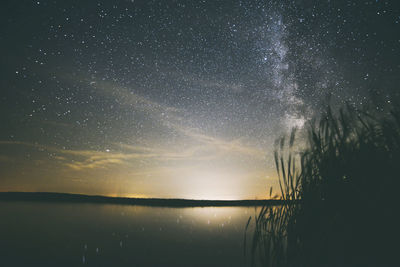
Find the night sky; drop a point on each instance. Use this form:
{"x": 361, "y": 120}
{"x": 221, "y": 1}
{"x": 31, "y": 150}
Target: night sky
{"x": 179, "y": 99}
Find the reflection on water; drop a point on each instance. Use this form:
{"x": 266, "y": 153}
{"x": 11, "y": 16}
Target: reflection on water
{"x": 59, "y": 234}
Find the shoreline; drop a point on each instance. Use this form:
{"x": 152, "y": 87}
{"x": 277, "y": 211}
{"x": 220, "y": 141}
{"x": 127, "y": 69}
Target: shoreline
{"x": 155, "y": 202}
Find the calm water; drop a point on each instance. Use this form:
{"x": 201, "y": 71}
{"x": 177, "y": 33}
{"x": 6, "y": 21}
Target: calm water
{"x": 59, "y": 234}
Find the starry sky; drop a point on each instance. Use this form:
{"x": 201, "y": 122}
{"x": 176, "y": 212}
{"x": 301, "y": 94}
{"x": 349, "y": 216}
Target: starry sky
{"x": 179, "y": 99}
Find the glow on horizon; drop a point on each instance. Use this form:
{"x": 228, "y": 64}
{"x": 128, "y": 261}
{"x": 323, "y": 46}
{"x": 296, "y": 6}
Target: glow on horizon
{"x": 218, "y": 171}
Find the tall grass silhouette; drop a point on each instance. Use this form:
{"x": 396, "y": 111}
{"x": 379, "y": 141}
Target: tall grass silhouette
{"x": 341, "y": 193}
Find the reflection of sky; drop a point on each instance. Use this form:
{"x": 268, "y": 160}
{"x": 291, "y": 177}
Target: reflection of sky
{"x": 121, "y": 235}
{"x": 182, "y": 99}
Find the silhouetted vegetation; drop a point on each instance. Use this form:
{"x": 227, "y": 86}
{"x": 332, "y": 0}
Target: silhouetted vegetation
{"x": 341, "y": 193}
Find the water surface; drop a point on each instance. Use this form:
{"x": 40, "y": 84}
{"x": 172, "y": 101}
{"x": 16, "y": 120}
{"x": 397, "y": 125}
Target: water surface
{"x": 70, "y": 234}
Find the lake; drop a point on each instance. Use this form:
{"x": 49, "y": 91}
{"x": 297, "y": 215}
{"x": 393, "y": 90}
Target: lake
{"x": 71, "y": 234}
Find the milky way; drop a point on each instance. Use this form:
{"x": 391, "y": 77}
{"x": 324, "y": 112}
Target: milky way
{"x": 179, "y": 98}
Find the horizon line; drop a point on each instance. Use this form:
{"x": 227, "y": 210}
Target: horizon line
{"x": 160, "y": 202}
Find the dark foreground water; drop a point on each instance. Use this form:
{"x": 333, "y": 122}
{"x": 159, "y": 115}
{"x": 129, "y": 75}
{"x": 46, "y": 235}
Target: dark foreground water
{"x": 60, "y": 234}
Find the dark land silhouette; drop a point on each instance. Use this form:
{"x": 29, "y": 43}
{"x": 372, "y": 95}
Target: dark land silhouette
{"x": 156, "y": 202}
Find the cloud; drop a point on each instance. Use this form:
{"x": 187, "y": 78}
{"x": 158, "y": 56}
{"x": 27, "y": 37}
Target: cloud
{"x": 199, "y": 146}
{"x": 81, "y": 159}
{"x": 193, "y": 152}
{"x": 209, "y": 149}
{"x": 127, "y": 97}
{"x": 234, "y": 146}
{"x": 173, "y": 119}
{"x": 93, "y": 159}
{"x": 94, "y": 164}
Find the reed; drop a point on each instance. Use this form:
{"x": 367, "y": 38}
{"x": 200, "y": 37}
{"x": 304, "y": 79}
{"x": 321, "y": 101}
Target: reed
{"x": 340, "y": 194}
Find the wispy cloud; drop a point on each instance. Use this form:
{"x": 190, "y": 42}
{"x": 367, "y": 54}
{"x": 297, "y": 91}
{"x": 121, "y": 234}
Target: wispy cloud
{"x": 198, "y": 146}
{"x": 80, "y": 159}
{"x": 173, "y": 119}
{"x": 193, "y": 152}
{"x": 94, "y": 164}
{"x": 127, "y": 97}
{"x": 234, "y": 146}
{"x": 210, "y": 149}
